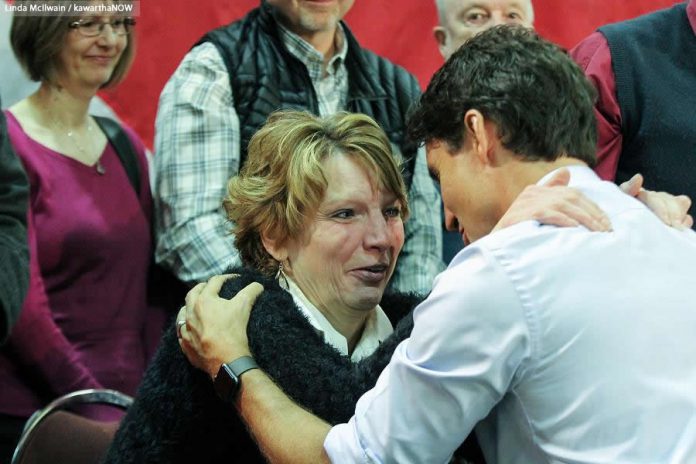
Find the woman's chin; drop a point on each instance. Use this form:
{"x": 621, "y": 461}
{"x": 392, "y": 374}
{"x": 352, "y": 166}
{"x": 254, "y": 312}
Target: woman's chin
{"x": 367, "y": 298}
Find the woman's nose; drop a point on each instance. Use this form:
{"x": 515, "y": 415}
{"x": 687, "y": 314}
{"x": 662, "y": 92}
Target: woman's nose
{"x": 377, "y": 234}
{"x": 107, "y": 36}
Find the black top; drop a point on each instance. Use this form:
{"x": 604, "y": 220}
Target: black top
{"x": 177, "y": 418}
{"x": 14, "y": 256}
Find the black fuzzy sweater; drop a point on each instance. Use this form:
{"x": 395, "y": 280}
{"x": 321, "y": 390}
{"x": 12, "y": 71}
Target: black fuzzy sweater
{"x": 177, "y": 418}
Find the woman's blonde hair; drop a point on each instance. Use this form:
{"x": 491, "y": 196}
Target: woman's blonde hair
{"x": 38, "y": 40}
{"x": 282, "y": 182}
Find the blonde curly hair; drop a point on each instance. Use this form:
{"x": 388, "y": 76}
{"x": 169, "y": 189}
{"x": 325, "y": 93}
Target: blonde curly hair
{"x": 282, "y": 182}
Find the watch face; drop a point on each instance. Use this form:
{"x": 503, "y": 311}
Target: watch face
{"x": 226, "y": 384}
{"x": 227, "y": 381}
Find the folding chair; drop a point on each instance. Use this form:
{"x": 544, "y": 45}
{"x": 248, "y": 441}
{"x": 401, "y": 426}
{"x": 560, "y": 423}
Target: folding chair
{"x": 54, "y": 435}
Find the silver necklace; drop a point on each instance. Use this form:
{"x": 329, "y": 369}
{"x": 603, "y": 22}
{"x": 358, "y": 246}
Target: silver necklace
{"x": 70, "y": 133}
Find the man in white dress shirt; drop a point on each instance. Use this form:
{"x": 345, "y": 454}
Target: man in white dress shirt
{"x": 558, "y": 345}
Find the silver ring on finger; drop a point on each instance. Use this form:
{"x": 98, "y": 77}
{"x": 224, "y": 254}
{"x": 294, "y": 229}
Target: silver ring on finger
{"x": 180, "y": 325}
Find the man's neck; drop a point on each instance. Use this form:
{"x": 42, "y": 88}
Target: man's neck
{"x": 520, "y": 174}
{"x": 327, "y": 42}
{"x": 324, "y": 42}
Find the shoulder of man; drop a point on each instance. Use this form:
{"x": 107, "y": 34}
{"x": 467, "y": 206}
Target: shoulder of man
{"x": 404, "y": 83}
{"x": 647, "y": 24}
{"x": 234, "y": 30}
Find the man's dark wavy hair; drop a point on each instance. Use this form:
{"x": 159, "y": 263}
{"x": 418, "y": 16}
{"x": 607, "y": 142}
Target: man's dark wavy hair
{"x": 537, "y": 96}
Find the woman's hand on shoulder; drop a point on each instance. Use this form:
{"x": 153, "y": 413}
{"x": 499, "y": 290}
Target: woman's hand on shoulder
{"x": 555, "y": 203}
{"x": 672, "y": 210}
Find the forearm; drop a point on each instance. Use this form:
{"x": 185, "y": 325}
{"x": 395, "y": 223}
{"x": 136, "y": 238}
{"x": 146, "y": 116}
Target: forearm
{"x": 285, "y": 432}
{"x": 197, "y": 146}
{"x": 197, "y": 246}
{"x": 13, "y": 234}
{"x": 52, "y": 357}
{"x": 55, "y": 360}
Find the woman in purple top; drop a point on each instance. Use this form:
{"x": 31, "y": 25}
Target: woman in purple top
{"x": 83, "y": 322}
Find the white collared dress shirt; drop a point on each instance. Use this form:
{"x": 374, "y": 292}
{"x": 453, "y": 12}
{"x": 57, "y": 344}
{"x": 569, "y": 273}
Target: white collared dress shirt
{"x": 563, "y": 345}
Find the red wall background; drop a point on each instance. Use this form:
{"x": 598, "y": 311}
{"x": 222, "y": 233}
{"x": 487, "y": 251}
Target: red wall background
{"x": 397, "y": 29}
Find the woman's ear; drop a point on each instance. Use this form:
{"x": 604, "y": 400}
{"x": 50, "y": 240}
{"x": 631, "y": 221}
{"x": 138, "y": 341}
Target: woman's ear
{"x": 274, "y": 248}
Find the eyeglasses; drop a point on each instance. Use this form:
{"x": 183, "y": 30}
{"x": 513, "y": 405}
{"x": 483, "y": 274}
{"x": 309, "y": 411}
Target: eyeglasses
{"x": 94, "y": 27}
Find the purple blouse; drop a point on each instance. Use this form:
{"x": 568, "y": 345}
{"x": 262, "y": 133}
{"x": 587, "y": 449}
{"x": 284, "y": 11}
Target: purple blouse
{"x": 84, "y": 319}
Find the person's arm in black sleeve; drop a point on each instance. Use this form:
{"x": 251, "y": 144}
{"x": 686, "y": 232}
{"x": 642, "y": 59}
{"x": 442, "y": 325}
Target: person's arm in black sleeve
{"x": 14, "y": 255}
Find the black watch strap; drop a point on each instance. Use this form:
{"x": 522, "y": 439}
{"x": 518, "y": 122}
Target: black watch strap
{"x": 243, "y": 364}
{"x": 227, "y": 380}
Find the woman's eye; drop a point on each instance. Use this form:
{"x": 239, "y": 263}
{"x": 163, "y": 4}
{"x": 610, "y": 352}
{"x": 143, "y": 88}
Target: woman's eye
{"x": 392, "y": 212}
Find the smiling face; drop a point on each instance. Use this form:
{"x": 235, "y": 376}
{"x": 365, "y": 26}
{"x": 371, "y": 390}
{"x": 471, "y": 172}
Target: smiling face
{"x": 462, "y": 19}
{"x": 306, "y": 17}
{"x": 89, "y": 61}
{"x": 345, "y": 257}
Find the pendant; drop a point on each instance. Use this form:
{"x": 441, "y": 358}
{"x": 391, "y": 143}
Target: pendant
{"x": 100, "y": 169}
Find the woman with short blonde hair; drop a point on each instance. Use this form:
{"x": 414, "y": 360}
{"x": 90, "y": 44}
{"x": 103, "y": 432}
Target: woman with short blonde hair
{"x": 283, "y": 180}
{"x": 317, "y": 213}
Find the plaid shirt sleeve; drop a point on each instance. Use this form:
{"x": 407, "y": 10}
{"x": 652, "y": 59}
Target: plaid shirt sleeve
{"x": 196, "y": 152}
{"x": 421, "y": 257}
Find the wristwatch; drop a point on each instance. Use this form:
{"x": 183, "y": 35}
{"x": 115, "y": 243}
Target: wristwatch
{"x": 227, "y": 381}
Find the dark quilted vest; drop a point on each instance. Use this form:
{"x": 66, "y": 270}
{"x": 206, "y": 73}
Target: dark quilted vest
{"x": 654, "y": 61}
{"x": 265, "y": 77}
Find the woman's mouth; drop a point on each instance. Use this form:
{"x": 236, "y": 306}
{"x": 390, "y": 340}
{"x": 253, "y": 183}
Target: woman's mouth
{"x": 372, "y": 274}
{"x": 101, "y": 59}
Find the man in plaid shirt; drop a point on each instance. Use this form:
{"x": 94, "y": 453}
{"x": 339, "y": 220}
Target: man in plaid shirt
{"x": 284, "y": 54}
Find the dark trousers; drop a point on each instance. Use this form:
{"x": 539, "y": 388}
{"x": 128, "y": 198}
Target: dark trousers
{"x": 10, "y": 431}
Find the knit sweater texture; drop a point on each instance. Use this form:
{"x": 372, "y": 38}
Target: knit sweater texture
{"x": 177, "y": 418}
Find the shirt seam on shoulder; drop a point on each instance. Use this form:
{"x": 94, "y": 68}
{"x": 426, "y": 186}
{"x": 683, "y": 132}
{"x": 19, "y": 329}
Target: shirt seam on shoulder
{"x": 529, "y": 315}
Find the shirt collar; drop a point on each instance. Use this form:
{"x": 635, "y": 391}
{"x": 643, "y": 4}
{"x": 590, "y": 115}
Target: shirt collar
{"x": 377, "y": 326}
{"x": 579, "y": 174}
{"x": 306, "y": 53}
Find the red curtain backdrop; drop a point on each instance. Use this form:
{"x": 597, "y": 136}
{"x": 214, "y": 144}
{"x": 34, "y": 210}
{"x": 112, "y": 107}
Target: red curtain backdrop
{"x": 398, "y": 29}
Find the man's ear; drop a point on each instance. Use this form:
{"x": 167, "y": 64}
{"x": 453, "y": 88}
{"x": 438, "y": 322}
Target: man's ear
{"x": 476, "y": 133}
{"x": 274, "y": 247}
{"x": 441, "y": 38}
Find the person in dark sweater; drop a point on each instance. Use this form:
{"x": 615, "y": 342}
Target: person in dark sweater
{"x": 177, "y": 418}
{"x": 645, "y": 75}
{"x": 319, "y": 205}
{"x": 14, "y": 257}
